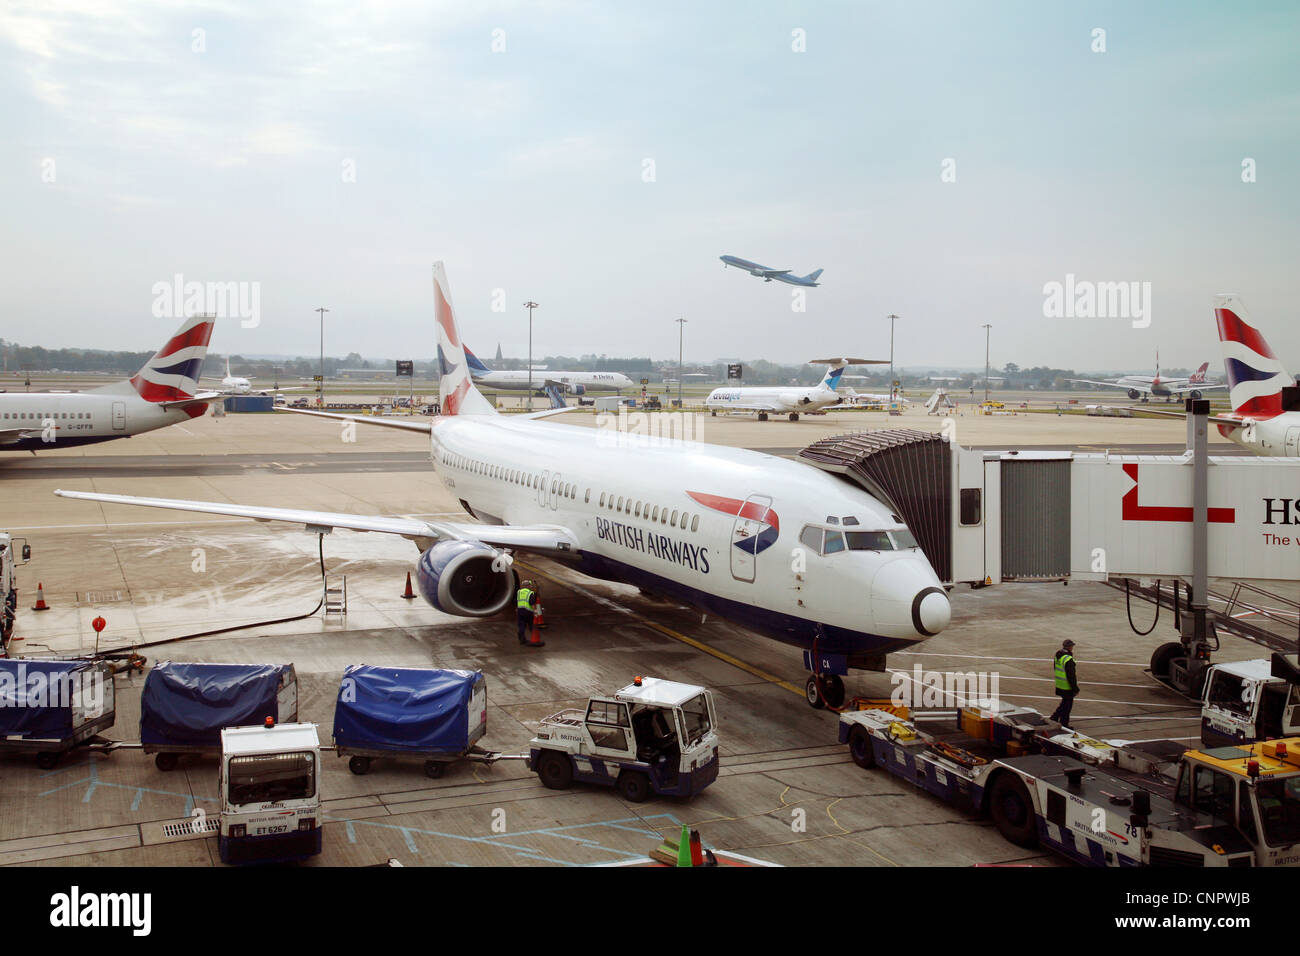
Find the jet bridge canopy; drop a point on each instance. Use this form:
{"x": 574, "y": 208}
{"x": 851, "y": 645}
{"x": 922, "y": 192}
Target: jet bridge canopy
{"x": 908, "y": 470}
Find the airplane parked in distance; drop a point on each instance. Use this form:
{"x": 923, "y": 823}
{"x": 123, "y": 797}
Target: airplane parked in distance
{"x": 767, "y": 275}
{"x": 855, "y": 399}
{"x": 237, "y": 385}
{"x": 1144, "y": 386}
{"x": 577, "y": 383}
{"x": 786, "y": 400}
{"x": 711, "y": 526}
{"x": 164, "y": 392}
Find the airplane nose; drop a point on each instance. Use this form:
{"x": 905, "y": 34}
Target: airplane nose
{"x": 931, "y": 611}
{"x": 906, "y": 600}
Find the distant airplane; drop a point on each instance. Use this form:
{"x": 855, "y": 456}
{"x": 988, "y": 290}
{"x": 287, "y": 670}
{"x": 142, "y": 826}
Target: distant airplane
{"x": 786, "y": 400}
{"x": 854, "y": 399}
{"x": 577, "y": 383}
{"x": 767, "y": 275}
{"x": 237, "y": 385}
{"x": 1144, "y": 386}
{"x": 164, "y": 392}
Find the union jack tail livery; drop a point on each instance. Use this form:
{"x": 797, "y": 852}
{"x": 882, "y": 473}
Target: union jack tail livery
{"x": 173, "y": 372}
{"x": 1255, "y": 376}
{"x": 455, "y": 386}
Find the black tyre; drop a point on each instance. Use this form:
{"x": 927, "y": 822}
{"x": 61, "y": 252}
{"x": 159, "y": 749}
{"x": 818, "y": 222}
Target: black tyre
{"x": 1012, "y": 811}
{"x": 813, "y": 694}
{"x": 762, "y": 416}
{"x": 555, "y": 770}
{"x": 46, "y": 760}
{"x": 1163, "y": 656}
{"x": 833, "y": 690}
{"x": 794, "y": 416}
{"x": 634, "y": 786}
{"x": 166, "y": 762}
{"x": 434, "y": 768}
{"x": 860, "y": 748}
{"x": 359, "y": 765}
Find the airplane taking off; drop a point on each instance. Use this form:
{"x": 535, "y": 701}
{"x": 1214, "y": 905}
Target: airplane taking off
{"x": 789, "y": 400}
{"x": 708, "y": 525}
{"x": 767, "y": 275}
{"x": 164, "y": 392}
{"x": 1144, "y": 386}
{"x": 577, "y": 383}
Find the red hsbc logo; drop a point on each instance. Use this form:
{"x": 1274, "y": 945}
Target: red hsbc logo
{"x": 1132, "y": 511}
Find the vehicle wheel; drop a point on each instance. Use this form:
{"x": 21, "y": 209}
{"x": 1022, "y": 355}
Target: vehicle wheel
{"x": 860, "y": 748}
{"x": 794, "y": 416}
{"x": 1164, "y": 656}
{"x": 166, "y": 762}
{"x": 359, "y": 765}
{"x": 762, "y": 416}
{"x": 555, "y": 770}
{"x": 46, "y": 760}
{"x": 434, "y": 768}
{"x": 833, "y": 690}
{"x": 634, "y": 786}
{"x": 813, "y": 693}
{"x": 1012, "y": 811}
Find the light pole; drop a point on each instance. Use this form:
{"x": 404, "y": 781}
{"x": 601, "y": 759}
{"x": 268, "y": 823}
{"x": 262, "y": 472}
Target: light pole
{"x": 320, "y": 386}
{"x": 986, "y": 362}
{"x": 530, "y": 305}
{"x": 681, "y": 330}
{"x": 892, "y": 319}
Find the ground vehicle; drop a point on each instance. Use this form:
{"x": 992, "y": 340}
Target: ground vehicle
{"x": 1244, "y": 701}
{"x": 9, "y": 584}
{"x": 652, "y": 737}
{"x": 409, "y": 711}
{"x": 1098, "y": 803}
{"x": 48, "y": 707}
{"x": 270, "y": 794}
{"x": 184, "y": 706}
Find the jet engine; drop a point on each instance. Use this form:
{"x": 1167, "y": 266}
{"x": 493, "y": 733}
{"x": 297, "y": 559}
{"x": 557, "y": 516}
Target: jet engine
{"x": 577, "y": 389}
{"x": 468, "y": 578}
{"x": 1134, "y": 394}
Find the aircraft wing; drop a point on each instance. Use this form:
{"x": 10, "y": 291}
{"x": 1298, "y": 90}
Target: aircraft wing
{"x": 747, "y": 408}
{"x": 535, "y": 538}
{"x": 11, "y": 436}
{"x": 776, "y": 272}
{"x": 1088, "y": 381}
{"x": 408, "y": 424}
{"x": 1224, "y": 420}
{"x": 1185, "y": 389}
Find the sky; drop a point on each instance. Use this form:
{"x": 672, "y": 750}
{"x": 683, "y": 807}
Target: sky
{"x": 941, "y": 161}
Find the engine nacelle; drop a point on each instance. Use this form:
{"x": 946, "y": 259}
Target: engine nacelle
{"x": 1134, "y": 394}
{"x": 578, "y": 389}
{"x": 468, "y": 578}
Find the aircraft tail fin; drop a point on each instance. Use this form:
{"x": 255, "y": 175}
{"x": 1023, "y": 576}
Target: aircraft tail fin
{"x": 1255, "y": 375}
{"x": 812, "y": 276}
{"x": 172, "y": 374}
{"x": 476, "y": 365}
{"x": 456, "y": 389}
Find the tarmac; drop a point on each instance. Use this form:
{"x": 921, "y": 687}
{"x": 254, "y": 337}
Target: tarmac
{"x": 787, "y": 792}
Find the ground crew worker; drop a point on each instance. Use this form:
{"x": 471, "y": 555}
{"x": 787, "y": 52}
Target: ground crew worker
{"x": 525, "y": 602}
{"x": 1067, "y": 682}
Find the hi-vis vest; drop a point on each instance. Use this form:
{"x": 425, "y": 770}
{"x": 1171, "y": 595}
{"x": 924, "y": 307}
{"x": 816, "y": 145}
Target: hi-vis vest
{"x": 1063, "y": 679}
{"x": 524, "y": 599}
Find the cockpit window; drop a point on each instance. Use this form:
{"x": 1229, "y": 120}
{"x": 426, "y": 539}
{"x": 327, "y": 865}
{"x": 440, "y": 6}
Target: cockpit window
{"x": 903, "y": 539}
{"x": 869, "y": 541}
{"x": 831, "y": 519}
{"x": 849, "y": 520}
{"x": 834, "y": 542}
{"x": 811, "y": 538}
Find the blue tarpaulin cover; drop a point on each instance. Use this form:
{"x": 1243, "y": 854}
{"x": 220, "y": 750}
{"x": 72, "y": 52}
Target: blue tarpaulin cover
{"x": 187, "y": 705}
{"x": 419, "y": 710}
{"x": 36, "y": 698}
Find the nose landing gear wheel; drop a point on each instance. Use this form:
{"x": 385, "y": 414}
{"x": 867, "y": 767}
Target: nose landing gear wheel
{"x": 825, "y": 691}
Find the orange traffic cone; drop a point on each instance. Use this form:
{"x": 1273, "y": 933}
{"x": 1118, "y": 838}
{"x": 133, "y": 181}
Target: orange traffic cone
{"x": 409, "y": 593}
{"x": 697, "y": 849}
{"x": 539, "y": 619}
{"x": 535, "y": 638}
{"x": 40, "y": 604}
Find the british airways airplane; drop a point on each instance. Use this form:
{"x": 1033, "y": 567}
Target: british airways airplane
{"x": 164, "y": 392}
{"x": 577, "y": 383}
{"x": 767, "y": 275}
{"x": 781, "y": 547}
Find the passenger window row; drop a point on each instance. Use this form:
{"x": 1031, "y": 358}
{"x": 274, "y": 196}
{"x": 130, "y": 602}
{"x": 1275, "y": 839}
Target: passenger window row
{"x": 41, "y": 416}
{"x": 567, "y": 489}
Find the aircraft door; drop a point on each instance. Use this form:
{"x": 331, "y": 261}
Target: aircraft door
{"x": 119, "y": 416}
{"x": 543, "y": 489}
{"x": 1292, "y": 442}
{"x": 745, "y": 533}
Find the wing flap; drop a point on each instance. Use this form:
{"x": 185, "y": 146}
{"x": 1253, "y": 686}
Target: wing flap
{"x": 404, "y": 424}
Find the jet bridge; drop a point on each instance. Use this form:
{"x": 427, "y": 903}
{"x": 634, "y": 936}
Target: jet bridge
{"x": 984, "y": 517}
